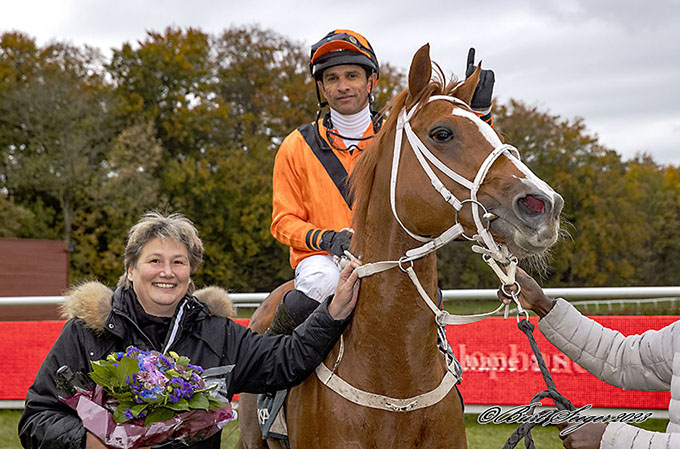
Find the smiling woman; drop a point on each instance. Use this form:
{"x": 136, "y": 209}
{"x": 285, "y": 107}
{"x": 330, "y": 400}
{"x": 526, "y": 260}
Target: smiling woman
{"x": 155, "y": 307}
{"x": 161, "y": 276}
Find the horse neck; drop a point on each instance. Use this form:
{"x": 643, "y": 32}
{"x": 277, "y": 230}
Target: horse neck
{"x": 390, "y": 313}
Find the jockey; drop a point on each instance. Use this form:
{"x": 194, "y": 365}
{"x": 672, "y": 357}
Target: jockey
{"x": 311, "y": 211}
{"x": 311, "y": 208}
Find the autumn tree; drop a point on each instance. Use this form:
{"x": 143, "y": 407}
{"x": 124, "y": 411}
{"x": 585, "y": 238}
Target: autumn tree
{"x": 54, "y": 131}
{"x": 126, "y": 189}
{"x": 654, "y": 194}
{"x": 221, "y": 105}
{"x": 58, "y": 146}
{"x": 189, "y": 121}
{"x": 612, "y": 208}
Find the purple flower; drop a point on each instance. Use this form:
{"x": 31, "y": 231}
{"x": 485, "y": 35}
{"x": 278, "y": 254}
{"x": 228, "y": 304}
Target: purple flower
{"x": 152, "y": 385}
{"x": 196, "y": 368}
{"x": 165, "y": 363}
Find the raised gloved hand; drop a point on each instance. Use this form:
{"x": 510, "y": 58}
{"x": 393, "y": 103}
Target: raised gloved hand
{"x": 336, "y": 242}
{"x": 481, "y": 99}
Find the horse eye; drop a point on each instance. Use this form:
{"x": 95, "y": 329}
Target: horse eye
{"x": 441, "y": 134}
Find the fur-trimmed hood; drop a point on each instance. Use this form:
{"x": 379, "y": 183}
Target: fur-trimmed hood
{"x": 92, "y": 303}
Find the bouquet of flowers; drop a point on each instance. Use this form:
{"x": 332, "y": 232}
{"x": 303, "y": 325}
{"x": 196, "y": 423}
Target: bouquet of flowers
{"x": 142, "y": 398}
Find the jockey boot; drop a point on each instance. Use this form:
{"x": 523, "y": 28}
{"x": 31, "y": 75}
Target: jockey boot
{"x": 293, "y": 310}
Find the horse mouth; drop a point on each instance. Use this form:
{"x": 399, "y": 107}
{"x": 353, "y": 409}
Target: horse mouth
{"x": 524, "y": 239}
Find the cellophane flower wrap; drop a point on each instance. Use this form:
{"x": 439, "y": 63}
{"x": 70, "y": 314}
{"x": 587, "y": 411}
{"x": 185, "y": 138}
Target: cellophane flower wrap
{"x": 142, "y": 398}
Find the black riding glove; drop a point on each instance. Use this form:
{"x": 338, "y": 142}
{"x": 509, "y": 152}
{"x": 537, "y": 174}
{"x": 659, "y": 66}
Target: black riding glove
{"x": 336, "y": 242}
{"x": 481, "y": 99}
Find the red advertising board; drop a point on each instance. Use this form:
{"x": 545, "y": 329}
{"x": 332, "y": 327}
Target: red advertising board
{"x": 498, "y": 365}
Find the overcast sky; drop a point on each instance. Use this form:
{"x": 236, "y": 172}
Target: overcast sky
{"x": 614, "y": 63}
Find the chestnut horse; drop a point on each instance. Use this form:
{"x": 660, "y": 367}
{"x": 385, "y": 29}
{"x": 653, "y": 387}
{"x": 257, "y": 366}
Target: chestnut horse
{"x": 386, "y": 384}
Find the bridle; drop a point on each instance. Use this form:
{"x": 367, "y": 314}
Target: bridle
{"x": 422, "y": 153}
{"x": 497, "y": 256}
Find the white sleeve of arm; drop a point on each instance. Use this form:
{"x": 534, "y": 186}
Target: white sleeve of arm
{"x": 635, "y": 362}
{"x": 625, "y": 436}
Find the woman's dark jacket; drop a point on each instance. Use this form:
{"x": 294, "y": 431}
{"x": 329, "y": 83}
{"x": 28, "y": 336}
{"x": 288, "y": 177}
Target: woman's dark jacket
{"x": 102, "y": 321}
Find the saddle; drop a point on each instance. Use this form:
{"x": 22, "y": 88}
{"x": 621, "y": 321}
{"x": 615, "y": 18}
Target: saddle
{"x": 271, "y": 415}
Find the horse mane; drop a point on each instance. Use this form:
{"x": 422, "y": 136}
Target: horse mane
{"x": 361, "y": 180}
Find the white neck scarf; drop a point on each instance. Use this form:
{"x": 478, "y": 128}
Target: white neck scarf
{"x": 351, "y": 126}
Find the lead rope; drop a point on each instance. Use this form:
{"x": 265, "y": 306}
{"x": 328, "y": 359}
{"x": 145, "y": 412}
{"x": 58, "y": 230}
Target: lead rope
{"x": 561, "y": 402}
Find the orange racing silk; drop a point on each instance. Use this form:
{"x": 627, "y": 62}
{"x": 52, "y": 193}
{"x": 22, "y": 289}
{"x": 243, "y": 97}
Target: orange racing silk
{"x": 305, "y": 200}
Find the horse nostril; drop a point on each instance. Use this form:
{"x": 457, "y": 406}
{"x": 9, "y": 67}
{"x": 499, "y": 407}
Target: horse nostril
{"x": 532, "y": 205}
{"x": 558, "y": 204}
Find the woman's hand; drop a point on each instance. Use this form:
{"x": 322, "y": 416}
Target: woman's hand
{"x": 531, "y": 295}
{"x": 346, "y": 293}
{"x": 92, "y": 442}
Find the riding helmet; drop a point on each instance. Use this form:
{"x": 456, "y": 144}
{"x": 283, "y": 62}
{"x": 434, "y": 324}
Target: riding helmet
{"x": 342, "y": 47}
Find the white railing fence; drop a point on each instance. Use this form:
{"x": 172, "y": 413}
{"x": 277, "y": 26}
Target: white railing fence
{"x": 596, "y": 296}
{"x": 585, "y": 296}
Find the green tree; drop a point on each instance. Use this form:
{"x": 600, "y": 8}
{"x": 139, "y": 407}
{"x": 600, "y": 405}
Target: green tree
{"x": 68, "y": 168}
{"x": 189, "y": 121}
{"x": 654, "y": 193}
{"x": 15, "y": 220}
{"x": 165, "y": 81}
{"x": 220, "y": 107}
{"x": 55, "y": 133}
{"x": 125, "y": 190}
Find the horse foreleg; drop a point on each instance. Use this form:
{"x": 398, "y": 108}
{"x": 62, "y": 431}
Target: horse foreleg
{"x": 251, "y": 435}
{"x": 275, "y": 444}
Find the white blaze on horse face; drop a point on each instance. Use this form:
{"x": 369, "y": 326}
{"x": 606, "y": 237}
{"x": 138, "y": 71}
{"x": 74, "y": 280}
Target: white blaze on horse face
{"x": 484, "y": 128}
{"x": 490, "y": 135}
{"x": 531, "y": 179}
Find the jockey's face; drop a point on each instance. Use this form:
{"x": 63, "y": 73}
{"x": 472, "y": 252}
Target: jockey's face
{"x": 346, "y": 88}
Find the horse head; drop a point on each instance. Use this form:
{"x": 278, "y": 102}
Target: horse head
{"x": 449, "y": 166}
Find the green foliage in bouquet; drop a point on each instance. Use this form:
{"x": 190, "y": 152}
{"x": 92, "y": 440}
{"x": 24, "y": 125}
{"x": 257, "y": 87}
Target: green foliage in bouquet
{"x": 152, "y": 387}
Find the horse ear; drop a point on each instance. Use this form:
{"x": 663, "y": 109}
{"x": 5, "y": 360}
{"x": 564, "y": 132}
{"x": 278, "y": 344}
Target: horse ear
{"x": 466, "y": 90}
{"x": 419, "y": 74}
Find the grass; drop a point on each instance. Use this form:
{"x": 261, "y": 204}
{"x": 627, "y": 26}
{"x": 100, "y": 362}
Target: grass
{"x": 495, "y": 435}
{"x": 9, "y": 420}
{"x": 9, "y": 439}
{"x": 478, "y": 435}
